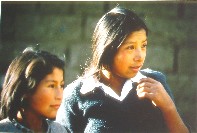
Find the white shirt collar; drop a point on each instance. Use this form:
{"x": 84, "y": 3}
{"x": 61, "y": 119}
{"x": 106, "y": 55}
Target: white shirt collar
{"x": 90, "y": 83}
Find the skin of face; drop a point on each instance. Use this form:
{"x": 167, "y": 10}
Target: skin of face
{"x": 131, "y": 55}
{"x": 48, "y": 95}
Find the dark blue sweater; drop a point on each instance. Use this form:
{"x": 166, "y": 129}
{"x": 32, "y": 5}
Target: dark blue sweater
{"x": 98, "y": 112}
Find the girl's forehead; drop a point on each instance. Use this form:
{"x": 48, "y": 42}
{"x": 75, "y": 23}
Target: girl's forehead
{"x": 140, "y": 32}
{"x": 136, "y": 36}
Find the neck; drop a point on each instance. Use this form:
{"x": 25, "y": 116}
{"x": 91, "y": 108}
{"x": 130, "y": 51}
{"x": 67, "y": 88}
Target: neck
{"x": 115, "y": 82}
{"x": 31, "y": 121}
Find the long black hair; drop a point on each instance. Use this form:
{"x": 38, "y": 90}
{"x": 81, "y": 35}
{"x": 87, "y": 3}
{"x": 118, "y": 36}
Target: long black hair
{"x": 22, "y": 77}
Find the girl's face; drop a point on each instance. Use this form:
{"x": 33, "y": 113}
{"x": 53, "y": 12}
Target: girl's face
{"x": 131, "y": 54}
{"x": 48, "y": 95}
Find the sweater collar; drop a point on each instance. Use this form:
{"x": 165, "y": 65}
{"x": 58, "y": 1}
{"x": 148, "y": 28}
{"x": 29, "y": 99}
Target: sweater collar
{"x": 90, "y": 83}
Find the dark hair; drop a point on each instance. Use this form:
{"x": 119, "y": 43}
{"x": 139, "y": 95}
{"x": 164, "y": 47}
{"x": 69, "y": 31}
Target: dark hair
{"x": 22, "y": 77}
{"x": 111, "y": 30}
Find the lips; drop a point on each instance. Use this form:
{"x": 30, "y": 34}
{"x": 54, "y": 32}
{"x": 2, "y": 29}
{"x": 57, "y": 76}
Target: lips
{"x": 56, "y": 106}
{"x": 135, "y": 68}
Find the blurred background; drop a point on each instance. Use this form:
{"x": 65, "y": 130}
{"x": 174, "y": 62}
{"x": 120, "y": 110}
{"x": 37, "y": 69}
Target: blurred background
{"x": 65, "y": 28}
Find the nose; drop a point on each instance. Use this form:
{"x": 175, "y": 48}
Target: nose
{"x": 138, "y": 55}
{"x": 59, "y": 93}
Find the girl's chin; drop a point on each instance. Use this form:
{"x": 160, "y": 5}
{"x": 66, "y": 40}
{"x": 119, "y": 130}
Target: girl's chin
{"x": 130, "y": 76}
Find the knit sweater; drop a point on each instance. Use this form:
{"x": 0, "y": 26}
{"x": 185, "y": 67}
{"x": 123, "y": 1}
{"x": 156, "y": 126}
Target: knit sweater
{"x": 96, "y": 111}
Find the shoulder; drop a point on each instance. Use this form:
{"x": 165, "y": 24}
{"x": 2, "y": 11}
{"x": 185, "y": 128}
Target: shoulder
{"x": 157, "y": 75}
{"x": 71, "y": 94}
{"x": 7, "y": 126}
{"x": 55, "y": 127}
{"x": 5, "y": 123}
{"x": 75, "y": 85}
{"x": 72, "y": 88}
{"x": 80, "y": 86}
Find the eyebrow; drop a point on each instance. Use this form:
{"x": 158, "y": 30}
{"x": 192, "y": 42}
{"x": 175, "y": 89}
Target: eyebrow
{"x": 134, "y": 42}
{"x": 52, "y": 81}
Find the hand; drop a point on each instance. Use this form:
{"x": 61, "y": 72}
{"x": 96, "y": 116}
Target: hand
{"x": 154, "y": 90}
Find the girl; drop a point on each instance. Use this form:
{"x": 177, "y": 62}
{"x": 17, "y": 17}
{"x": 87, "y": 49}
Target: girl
{"x": 32, "y": 93}
{"x": 114, "y": 94}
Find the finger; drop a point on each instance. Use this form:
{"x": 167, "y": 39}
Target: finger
{"x": 147, "y": 80}
{"x": 144, "y": 84}
{"x": 141, "y": 94}
{"x": 144, "y": 89}
{"x": 146, "y": 95}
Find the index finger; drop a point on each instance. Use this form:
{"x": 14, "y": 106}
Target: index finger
{"x": 148, "y": 79}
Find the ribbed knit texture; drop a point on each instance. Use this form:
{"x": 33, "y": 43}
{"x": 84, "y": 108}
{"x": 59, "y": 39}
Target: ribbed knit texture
{"x": 96, "y": 111}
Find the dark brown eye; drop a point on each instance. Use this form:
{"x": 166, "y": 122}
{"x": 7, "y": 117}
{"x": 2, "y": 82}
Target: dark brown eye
{"x": 130, "y": 47}
{"x": 62, "y": 86}
{"x": 52, "y": 86}
{"x": 144, "y": 45}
